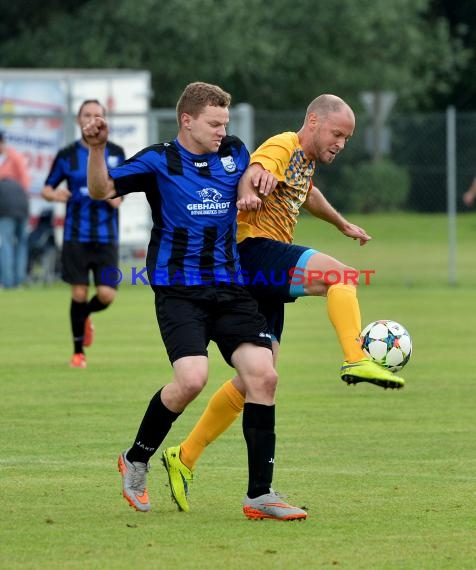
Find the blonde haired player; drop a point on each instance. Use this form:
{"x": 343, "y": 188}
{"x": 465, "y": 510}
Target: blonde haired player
{"x": 189, "y": 240}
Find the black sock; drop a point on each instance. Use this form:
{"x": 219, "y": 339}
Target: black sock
{"x": 78, "y": 316}
{"x": 258, "y": 429}
{"x": 155, "y": 426}
{"x": 95, "y": 305}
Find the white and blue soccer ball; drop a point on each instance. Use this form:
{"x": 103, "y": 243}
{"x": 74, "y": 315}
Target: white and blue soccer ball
{"x": 388, "y": 343}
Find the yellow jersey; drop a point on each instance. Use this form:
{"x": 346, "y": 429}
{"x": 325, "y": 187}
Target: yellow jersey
{"x": 283, "y": 156}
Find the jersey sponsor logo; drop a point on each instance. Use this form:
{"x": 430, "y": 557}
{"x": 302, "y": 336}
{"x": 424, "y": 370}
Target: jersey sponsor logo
{"x": 228, "y": 163}
{"x": 84, "y": 191}
{"x": 201, "y": 164}
{"x": 211, "y": 204}
{"x": 209, "y": 209}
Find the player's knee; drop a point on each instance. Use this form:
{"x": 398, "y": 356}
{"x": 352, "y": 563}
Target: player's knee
{"x": 350, "y": 276}
{"x": 266, "y": 381}
{"x": 270, "y": 381}
{"x": 79, "y": 293}
{"x": 193, "y": 384}
{"x": 343, "y": 275}
{"x": 106, "y": 295}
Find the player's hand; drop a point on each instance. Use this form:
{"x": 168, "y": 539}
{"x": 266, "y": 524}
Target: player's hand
{"x": 62, "y": 195}
{"x": 115, "y": 202}
{"x": 355, "y": 232}
{"x": 96, "y": 132}
{"x": 263, "y": 181}
{"x": 249, "y": 202}
{"x": 468, "y": 199}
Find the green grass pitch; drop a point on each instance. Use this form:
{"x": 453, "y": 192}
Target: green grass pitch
{"x": 388, "y": 477}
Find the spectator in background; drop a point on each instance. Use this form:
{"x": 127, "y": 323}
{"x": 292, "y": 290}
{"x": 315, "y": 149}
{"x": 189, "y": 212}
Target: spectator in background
{"x": 91, "y": 231}
{"x": 13, "y": 165}
{"x": 470, "y": 195}
{"x": 14, "y": 210}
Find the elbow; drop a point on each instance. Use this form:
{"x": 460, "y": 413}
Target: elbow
{"x": 98, "y": 194}
{"x": 95, "y": 194}
{"x": 101, "y": 189}
{"x": 97, "y": 190}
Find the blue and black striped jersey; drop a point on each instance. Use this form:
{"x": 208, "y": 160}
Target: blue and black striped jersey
{"x": 86, "y": 220}
{"x": 193, "y": 203}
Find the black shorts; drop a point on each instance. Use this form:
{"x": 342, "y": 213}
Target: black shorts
{"x": 272, "y": 310}
{"x": 266, "y": 265}
{"x": 189, "y": 317}
{"x": 79, "y": 259}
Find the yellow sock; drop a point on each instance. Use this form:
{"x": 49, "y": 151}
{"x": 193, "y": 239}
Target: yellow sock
{"x": 223, "y": 408}
{"x": 344, "y": 313}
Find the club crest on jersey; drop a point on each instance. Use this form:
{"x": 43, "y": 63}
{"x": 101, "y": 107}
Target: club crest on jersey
{"x": 112, "y": 161}
{"x": 209, "y": 195}
{"x": 228, "y": 163}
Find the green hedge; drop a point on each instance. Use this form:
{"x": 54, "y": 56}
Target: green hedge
{"x": 374, "y": 186}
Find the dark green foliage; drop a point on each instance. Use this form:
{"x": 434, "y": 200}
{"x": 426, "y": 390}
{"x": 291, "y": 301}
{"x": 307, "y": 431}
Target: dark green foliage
{"x": 276, "y": 55}
{"x": 375, "y": 186}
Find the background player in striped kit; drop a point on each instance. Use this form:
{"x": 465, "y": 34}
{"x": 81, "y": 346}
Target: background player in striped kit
{"x": 91, "y": 231}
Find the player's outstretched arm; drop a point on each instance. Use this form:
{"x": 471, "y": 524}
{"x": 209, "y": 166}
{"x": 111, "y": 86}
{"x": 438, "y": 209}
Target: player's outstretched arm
{"x": 317, "y": 205}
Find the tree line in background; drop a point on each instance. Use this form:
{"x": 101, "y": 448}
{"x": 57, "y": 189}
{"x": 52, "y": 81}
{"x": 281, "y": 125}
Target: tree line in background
{"x": 273, "y": 55}
{"x": 279, "y": 55}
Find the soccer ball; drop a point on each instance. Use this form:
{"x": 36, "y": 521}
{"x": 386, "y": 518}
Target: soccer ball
{"x": 388, "y": 343}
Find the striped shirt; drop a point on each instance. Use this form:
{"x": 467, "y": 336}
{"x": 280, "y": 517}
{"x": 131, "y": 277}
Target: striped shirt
{"x": 86, "y": 220}
{"x": 193, "y": 203}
